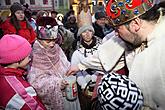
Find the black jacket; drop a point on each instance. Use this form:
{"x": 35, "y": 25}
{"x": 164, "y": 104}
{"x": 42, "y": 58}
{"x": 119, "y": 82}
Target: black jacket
{"x": 99, "y": 30}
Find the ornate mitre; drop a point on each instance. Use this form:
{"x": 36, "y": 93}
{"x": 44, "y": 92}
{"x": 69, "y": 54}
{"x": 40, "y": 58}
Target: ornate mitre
{"x": 121, "y": 11}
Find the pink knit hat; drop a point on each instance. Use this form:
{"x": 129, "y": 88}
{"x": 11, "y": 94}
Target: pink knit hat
{"x": 13, "y": 48}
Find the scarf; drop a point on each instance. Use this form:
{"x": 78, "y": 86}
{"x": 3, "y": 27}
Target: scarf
{"x": 85, "y": 45}
{"x": 42, "y": 56}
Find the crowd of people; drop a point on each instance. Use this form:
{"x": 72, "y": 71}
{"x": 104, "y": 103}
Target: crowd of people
{"x": 118, "y": 59}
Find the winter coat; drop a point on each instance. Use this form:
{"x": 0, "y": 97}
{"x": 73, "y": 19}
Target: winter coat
{"x": 68, "y": 40}
{"x": 16, "y": 93}
{"x": 100, "y": 32}
{"x": 28, "y": 34}
{"x": 83, "y": 52}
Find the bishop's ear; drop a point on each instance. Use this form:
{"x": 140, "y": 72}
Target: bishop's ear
{"x": 136, "y": 24}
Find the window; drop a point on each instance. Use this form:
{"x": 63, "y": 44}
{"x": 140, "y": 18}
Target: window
{"x": 93, "y": 3}
{"x": 22, "y": 1}
{"x": 32, "y": 2}
{"x": 100, "y": 3}
{"x": 8, "y": 2}
{"x": 45, "y": 2}
{"x": 106, "y": 1}
{"x": 56, "y": 3}
{"x": 61, "y": 3}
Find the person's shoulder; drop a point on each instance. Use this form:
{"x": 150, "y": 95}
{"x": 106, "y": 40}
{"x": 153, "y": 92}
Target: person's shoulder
{"x": 6, "y": 22}
{"x": 76, "y": 54}
{"x": 98, "y": 40}
{"x": 94, "y": 24}
{"x": 8, "y": 27}
{"x": 113, "y": 41}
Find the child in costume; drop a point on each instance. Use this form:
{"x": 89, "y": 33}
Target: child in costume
{"x": 49, "y": 66}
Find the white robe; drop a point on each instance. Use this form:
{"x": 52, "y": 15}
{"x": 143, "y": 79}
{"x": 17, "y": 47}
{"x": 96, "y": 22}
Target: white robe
{"x": 148, "y": 69}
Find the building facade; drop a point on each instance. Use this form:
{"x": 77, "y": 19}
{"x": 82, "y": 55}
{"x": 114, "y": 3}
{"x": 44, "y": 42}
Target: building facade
{"x": 61, "y": 6}
{"x": 37, "y": 4}
{"x": 94, "y": 5}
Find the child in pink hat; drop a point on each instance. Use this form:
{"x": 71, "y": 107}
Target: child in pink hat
{"x": 16, "y": 92}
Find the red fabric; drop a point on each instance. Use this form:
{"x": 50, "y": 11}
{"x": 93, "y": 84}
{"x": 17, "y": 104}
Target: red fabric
{"x": 28, "y": 34}
{"x": 7, "y": 92}
{"x": 94, "y": 95}
{"x": 123, "y": 71}
{"x": 116, "y": 12}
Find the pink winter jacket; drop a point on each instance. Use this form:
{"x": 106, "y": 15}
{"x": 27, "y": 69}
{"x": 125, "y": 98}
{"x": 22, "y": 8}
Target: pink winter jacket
{"x": 16, "y": 93}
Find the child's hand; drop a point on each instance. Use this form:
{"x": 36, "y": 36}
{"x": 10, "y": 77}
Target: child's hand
{"x": 72, "y": 70}
{"x": 64, "y": 83}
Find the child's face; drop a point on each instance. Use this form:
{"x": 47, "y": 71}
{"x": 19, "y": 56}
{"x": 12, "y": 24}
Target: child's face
{"x": 87, "y": 35}
{"x": 48, "y": 43}
{"x": 25, "y": 62}
{"x": 20, "y": 15}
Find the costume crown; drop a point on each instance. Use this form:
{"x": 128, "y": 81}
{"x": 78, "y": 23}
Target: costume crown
{"x": 47, "y": 28}
{"x": 122, "y": 11}
{"x": 84, "y": 15}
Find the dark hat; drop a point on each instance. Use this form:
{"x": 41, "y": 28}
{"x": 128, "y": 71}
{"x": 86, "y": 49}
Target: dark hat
{"x": 43, "y": 21}
{"x": 15, "y": 7}
{"x": 54, "y": 12}
{"x": 118, "y": 92}
{"x": 99, "y": 15}
{"x": 28, "y": 13}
